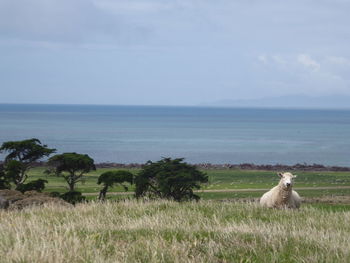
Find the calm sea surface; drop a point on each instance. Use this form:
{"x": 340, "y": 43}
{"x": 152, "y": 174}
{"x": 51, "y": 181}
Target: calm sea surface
{"x": 128, "y": 134}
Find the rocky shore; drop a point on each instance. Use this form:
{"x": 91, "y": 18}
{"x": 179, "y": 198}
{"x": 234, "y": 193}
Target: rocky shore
{"x": 242, "y": 166}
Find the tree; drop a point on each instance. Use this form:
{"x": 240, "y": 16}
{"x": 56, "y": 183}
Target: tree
{"x": 4, "y": 182}
{"x": 108, "y": 179}
{"x": 71, "y": 166}
{"x": 170, "y": 179}
{"x": 21, "y": 157}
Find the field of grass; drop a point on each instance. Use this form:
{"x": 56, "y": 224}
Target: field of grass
{"x": 219, "y": 228}
{"x": 223, "y": 184}
{"x": 164, "y": 231}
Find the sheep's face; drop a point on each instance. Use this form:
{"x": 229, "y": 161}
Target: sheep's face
{"x": 286, "y": 179}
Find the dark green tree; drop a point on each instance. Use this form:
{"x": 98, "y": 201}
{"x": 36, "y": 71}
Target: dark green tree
{"x": 21, "y": 157}
{"x": 71, "y": 166}
{"x": 4, "y": 181}
{"x": 110, "y": 178}
{"x": 169, "y": 178}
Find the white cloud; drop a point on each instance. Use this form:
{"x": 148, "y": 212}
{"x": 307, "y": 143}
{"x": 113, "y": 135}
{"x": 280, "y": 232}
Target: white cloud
{"x": 308, "y": 62}
{"x": 302, "y": 74}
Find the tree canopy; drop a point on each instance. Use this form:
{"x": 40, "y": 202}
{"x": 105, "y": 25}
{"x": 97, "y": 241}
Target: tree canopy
{"x": 71, "y": 166}
{"x": 109, "y": 178}
{"x": 21, "y": 157}
{"x": 170, "y": 179}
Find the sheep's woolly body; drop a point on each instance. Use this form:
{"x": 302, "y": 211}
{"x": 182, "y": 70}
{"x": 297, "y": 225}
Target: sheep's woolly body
{"x": 280, "y": 197}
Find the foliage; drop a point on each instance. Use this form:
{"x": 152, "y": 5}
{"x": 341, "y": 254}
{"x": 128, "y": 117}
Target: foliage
{"x": 170, "y": 179}
{"x": 71, "y": 166}
{"x": 108, "y": 179}
{"x": 4, "y": 182}
{"x": 73, "y": 197}
{"x": 36, "y": 185}
{"x": 21, "y": 157}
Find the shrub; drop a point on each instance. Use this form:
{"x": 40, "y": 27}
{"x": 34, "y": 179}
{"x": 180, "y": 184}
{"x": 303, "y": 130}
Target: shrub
{"x": 37, "y": 185}
{"x": 73, "y": 197}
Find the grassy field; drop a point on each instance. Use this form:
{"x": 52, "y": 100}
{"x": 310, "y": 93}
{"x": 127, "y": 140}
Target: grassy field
{"x": 224, "y": 184}
{"x": 164, "y": 231}
{"x": 227, "y": 225}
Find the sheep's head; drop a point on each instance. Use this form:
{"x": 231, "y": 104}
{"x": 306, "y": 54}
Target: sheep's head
{"x": 286, "y": 179}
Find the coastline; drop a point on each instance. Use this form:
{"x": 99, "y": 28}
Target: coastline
{"x": 242, "y": 166}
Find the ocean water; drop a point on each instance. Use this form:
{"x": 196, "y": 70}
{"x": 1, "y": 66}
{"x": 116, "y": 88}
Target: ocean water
{"x": 135, "y": 134}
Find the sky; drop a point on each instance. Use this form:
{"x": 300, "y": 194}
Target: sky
{"x": 172, "y": 52}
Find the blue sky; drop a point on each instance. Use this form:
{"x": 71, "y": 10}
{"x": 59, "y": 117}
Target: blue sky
{"x": 179, "y": 52}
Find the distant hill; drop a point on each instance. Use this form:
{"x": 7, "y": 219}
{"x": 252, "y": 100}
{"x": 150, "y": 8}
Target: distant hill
{"x": 294, "y": 101}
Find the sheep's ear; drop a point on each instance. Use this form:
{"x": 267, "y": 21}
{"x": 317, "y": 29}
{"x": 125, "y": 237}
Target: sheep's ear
{"x": 280, "y": 174}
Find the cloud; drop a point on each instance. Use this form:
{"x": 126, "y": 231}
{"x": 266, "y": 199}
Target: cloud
{"x": 243, "y": 48}
{"x": 65, "y": 21}
{"x": 308, "y": 62}
{"x": 302, "y": 74}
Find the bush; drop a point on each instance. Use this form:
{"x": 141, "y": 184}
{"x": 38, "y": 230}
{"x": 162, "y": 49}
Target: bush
{"x": 73, "y": 197}
{"x": 37, "y": 185}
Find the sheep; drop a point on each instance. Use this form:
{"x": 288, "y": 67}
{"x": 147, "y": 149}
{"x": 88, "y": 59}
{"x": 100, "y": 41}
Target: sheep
{"x": 282, "y": 195}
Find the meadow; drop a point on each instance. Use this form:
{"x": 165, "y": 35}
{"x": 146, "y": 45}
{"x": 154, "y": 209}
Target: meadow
{"x": 226, "y": 225}
{"x": 165, "y": 231}
{"x": 222, "y": 185}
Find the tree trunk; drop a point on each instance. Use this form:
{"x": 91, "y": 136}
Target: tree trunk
{"x": 71, "y": 186}
{"x": 103, "y": 193}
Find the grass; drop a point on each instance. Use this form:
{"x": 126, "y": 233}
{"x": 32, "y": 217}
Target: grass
{"x": 221, "y": 180}
{"x": 218, "y": 179}
{"x": 164, "y": 231}
{"x": 216, "y": 229}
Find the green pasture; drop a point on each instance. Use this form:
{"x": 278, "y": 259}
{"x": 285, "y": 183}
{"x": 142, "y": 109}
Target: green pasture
{"x": 229, "y": 182}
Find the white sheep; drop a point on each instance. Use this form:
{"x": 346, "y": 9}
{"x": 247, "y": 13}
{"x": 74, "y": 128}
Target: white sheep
{"x": 282, "y": 195}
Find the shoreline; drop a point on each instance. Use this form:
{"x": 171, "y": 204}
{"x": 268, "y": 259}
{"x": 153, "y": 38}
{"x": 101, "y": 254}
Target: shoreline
{"x": 242, "y": 166}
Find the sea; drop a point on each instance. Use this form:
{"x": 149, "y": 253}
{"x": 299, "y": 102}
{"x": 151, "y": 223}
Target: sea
{"x": 136, "y": 134}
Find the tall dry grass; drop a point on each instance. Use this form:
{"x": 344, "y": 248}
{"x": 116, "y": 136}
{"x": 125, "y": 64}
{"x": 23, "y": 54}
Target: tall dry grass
{"x": 164, "y": 231}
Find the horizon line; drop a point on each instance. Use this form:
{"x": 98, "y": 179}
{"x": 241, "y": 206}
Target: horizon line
{"x": 181, "y": 106}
